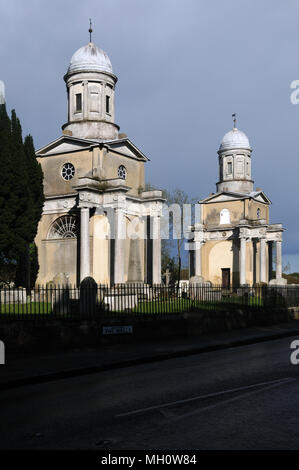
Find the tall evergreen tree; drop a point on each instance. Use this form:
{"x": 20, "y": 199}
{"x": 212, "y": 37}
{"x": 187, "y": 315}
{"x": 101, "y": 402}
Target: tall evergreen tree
{"x": 28, "y": 262}
{"x": 21, "y": 201}
{"x": 7, "y": 204}
{"x": 35, "y": 174}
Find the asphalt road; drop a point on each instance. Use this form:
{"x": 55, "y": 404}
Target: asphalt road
{"x": 239, "y": 398}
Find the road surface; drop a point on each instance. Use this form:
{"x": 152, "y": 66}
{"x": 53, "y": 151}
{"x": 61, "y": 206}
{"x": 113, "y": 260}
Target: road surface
{"x": 239, "y": 398}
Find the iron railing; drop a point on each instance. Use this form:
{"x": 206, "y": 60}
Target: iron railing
{"x": 137, "y": 299}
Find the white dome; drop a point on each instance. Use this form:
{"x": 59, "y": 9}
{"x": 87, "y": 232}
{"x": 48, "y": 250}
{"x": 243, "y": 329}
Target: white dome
{"x": 90, "y": 58}
{"x": 235, "y": 139}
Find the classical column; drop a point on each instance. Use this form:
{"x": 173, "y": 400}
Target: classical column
{"x": 197, "y": 259}
{"x": 242, "y": 261}
{"x": 270, "y": 254}
{"x": 156, "y": 230}
{"x": 191, "y": 262}
{"x": 278, "y": 260}
{"x": 84, "y": 243}
{"x": 263, "y": 260}
{"x": 119, "y": 246}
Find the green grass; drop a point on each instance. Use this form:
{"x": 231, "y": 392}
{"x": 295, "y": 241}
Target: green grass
{"x": 162, "y": 305}
{"x": 185, "y": 305}
{"x": 29, "y": 308}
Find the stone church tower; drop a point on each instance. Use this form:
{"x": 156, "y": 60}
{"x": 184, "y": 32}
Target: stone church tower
{"x": 98, "y": 220}
{"x": 233, "y": 243}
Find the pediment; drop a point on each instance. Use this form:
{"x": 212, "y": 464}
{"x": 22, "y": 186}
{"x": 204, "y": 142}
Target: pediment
{"x": 259, "y": 196}
{"x": 126, "y": 148}
{"x": 262, "y": 198}
{"x": 64, "y": 144}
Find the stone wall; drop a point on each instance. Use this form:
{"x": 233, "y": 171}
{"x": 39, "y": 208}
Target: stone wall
{"x": 46, "y": 335}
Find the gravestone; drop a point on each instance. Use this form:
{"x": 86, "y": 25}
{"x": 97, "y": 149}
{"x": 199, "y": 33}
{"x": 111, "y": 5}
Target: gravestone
{"x": 60, "y": 294}
{"x": 88, "y": 296}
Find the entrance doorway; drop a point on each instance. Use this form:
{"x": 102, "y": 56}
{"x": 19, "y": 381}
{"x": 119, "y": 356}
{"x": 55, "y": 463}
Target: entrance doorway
{"x": 226, "y": 277}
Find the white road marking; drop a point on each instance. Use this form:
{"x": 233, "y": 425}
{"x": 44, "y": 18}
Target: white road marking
{"x": 229, "y": 400}
{"x": 209, "y": 395}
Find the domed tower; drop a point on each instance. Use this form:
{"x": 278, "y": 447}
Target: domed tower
{"x": 92, "y": 176}
{"x": 232, "y": 240}
{"x": 235, "y": 163}
{"x": 90, "y": 85}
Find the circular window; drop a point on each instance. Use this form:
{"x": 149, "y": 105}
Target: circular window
{"x": 68, "y": 171}
{"x": 122, "y": 172}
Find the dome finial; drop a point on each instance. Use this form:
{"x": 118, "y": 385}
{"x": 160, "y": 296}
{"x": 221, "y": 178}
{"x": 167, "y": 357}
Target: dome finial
{"x": 90, "y": 30}
{"x": 234, "y": 116}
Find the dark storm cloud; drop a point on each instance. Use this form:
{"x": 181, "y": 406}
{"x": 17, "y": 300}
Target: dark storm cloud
{"x": 184, "y": 67}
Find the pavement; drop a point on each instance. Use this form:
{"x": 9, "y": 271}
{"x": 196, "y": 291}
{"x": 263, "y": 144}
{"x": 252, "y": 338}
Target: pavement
{"x": 27, "y": 369}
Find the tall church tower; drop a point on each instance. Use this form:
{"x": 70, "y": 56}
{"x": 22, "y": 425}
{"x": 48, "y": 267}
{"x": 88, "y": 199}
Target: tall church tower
{"x": 233, "y": 243}
{"x": 94, "y": 185}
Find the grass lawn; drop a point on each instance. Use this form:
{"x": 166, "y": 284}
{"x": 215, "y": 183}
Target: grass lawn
{"x": 29, "y": 308}
{"x": 157, "y": 306}
{"x": 184, "y": 305}
{"x": 164, "y": 306}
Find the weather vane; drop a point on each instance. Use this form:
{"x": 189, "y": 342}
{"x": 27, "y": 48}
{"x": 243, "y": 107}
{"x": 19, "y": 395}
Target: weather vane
{"x": 235, "y": 119}
{"x": 90, "y": 30}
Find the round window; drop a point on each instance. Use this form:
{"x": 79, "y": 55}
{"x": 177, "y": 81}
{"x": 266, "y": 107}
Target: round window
{"x": 122, "y": 172}
{"x": 68, "y": 171}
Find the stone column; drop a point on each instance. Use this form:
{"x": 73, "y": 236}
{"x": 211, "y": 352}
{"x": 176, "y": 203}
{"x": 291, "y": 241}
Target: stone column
{"x": 197, "y": 259}
{"x": 119, "y": 244}
{"x": 270, "y": 254}
{"x": 191, "y": 262}
{"x": 84, "y": 243}
{"x": 263, "y": 277}
{"x": 278, "y": 260}
{"x": 242, "y": 261}
{"x": 156, "y": 221}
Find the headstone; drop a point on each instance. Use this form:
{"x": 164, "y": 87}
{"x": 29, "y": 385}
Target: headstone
{"x": 278, "y": 282}
{"x": 13, "y": 296}
{"x": 121, "y": 302}
{"x": 167, "y": 277}
{"x": 61, "y": 279}
{"x": 88, "y": 296}
{"x": 196, "y": 280}
{"x": 60, "y": 294}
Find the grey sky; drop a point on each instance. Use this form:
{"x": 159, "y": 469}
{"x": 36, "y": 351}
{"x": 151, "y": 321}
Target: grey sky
{"x": 184, "y": 66}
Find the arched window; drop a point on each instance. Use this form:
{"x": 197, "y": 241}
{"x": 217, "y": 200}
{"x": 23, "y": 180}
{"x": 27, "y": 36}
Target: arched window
{"x": 224, "y": 217}
{"x": 64, "y": 227}
{"x": 258, "y": 213}
{"x": 122, "y": 172}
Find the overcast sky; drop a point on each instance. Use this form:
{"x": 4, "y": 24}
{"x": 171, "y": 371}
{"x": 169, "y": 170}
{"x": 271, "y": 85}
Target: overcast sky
{"x": 184, "y": 66}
